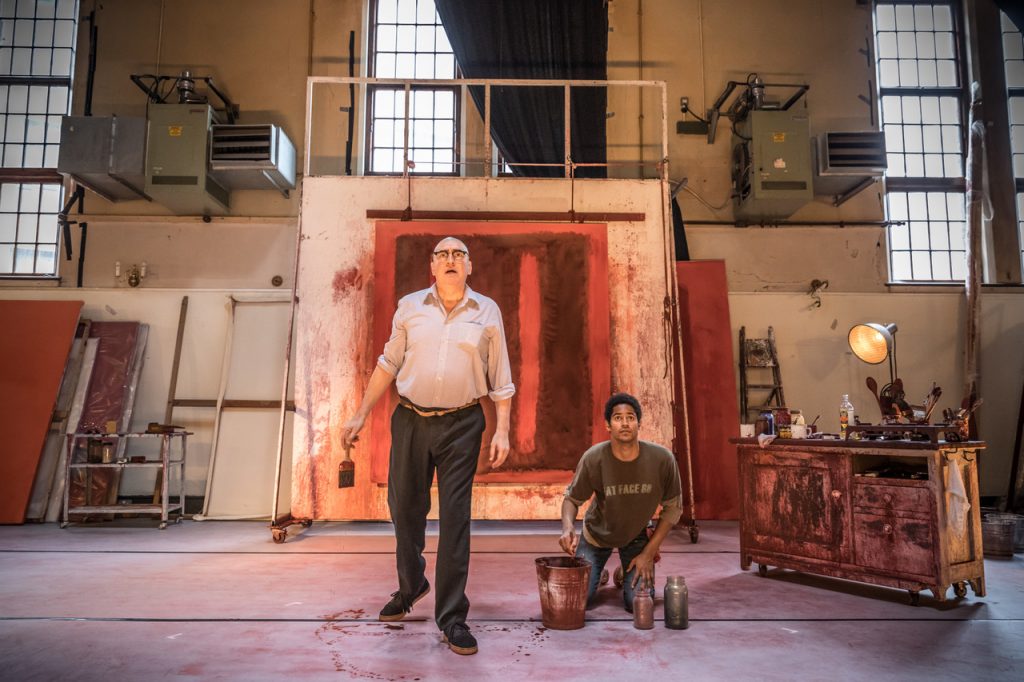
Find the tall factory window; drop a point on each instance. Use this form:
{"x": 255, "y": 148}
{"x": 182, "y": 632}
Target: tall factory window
{"x": 37, "y": 56}
{"x": 921, "y": 97}
{"x": 1013, "y": 55}
{"x": 409, "y": 42}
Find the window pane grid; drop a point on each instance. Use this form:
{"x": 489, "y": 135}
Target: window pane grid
{"x": 920, "y": 106}
{"x": 37, "y": 54}
{"x": 38, "y": 38}
{"x": 28, "y": 228}
{"x": 1013, "y": 53}
{"x": 431, "y": 135}
{"x": 30, "y": 124}
{"x": 916, "y": 46}
{"x": 922, "y": 136}
{"x": 929, "y": 246}
{"x": 1013, "y": 57}
{"x": 409, "y": 42}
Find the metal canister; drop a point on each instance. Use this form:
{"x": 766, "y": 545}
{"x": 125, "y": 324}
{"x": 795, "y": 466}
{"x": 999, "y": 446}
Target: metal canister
{"x": 677, "y": 603}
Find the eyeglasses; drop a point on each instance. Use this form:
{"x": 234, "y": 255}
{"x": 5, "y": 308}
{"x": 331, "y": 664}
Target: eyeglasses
{"x": 454, "y": 254}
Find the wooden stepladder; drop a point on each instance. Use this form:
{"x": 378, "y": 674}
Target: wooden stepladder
{"x": 762, "y": 389}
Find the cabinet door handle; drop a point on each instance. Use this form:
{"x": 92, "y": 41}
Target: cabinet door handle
{"x": 836, "y": 494}
{"x": 887, "y": 529}
{"x": 887, "y": 498}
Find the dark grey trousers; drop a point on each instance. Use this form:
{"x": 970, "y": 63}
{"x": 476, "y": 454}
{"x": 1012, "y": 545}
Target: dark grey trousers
{"x": 450, "y": 444}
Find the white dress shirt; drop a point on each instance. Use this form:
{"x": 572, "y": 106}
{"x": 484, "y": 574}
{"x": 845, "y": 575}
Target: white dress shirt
{"x": 445, "y": 360}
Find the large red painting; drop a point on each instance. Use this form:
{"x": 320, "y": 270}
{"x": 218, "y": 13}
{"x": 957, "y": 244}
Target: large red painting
{"x": 551, "y": 283}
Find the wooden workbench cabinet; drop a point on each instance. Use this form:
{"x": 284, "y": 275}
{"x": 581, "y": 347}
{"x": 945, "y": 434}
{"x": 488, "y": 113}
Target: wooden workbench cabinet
{"x": 807, "y": 505}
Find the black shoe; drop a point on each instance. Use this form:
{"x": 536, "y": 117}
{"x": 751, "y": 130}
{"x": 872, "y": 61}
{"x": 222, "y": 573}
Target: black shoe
{"x": 459, "y": 640}
{"x": 398, "y": 607}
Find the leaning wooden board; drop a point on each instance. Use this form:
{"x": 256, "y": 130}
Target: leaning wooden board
{"x": 35, "y": 339}
{"x": 815, "y": 506}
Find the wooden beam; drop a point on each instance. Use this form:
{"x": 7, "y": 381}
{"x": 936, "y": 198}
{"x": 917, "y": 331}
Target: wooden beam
{"x": 245, "y": 404}
{"x": 538, "y": 216}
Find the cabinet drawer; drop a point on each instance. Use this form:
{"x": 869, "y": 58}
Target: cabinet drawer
{"x": 901, "y": 498}
{"x": 899, "y": 545}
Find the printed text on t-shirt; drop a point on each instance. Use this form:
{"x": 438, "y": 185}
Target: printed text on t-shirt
{"x": 627, "y": 489}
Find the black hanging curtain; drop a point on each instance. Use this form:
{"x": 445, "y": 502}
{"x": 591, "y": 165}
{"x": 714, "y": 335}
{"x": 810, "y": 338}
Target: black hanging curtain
{"x": 1015, "y": 10}
{"x": 567, "y": 39}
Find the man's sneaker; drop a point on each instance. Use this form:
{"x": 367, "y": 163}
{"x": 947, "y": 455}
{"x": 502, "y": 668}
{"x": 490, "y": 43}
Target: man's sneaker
{"x": 459, "y": 640}
{"x": 397, "y": 607}
{"x": 604, "y": 577}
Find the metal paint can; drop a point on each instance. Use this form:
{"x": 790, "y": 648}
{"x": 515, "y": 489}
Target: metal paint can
{"x": 563, "y": 583}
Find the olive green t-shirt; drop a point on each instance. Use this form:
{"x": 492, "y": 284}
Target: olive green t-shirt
{"x": 626, "y": 494}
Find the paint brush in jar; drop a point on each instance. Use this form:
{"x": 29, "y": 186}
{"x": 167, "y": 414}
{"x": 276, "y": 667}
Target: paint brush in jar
{"x": 347, "y": 468}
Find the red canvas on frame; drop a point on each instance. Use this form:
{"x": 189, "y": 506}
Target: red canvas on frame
{"x": 34, "y": 347}
{"x": 551, "y": 283}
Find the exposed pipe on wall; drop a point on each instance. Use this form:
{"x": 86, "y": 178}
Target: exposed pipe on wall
{"x": 91, "y": 73}
{"x": 640, "y": 75}
{"x": 159, "y": 37}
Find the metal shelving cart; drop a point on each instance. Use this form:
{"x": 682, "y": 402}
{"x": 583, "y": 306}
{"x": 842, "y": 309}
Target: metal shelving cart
{"x": 117, "y": 443}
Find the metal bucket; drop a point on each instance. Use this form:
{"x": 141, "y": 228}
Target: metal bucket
{"x": 1018, "y": 527}
{"x": 997, "y": 534}
{"x": 563, "y": 582}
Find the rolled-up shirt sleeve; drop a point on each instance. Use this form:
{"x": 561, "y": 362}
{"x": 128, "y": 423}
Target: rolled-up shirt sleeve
{"x": 672, "y": 505}
{"x": 581, "y": 488}
{"x": 671, "y": 510}
{"x": 499, "y": 370}
{"x": 393, "y": 357}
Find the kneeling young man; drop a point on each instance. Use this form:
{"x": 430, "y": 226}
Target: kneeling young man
{"x": 628, "y": 478}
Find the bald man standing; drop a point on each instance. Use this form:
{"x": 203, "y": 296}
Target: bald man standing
{"x": 447, "y": 350}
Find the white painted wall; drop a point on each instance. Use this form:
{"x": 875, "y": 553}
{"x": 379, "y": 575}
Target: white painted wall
{"x": 818, "y": 366}
{"x": 248, "y": 440}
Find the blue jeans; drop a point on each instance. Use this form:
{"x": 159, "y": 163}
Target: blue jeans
{"x": 598, "y": 557}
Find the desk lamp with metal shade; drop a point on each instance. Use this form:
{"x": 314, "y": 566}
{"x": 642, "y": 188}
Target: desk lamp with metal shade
{"x": 873, "y": 343}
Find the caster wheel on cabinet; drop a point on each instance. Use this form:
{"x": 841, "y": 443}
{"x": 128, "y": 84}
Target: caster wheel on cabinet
{"x": 960, "y": 589}
{"x": 915, "y": 598}
{"x": 762, "y": 570}
{"x": 279, "y": 535}
{"x": 694, "y": 535}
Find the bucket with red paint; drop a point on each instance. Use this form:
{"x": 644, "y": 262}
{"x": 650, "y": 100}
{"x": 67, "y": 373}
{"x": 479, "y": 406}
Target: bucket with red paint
{"x": 563, "y": 581}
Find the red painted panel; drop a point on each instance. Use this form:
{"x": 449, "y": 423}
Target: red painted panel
{"x": 551, "y": 283}
{"x": 35, "y": 341}
{"x": 528, "y": 381}
{"x": 710, "y": 387}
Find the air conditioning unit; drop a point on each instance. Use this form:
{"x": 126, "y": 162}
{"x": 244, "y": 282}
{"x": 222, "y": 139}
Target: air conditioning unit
{"x": 771, "y": 165}
{"x": 105, "y": 154}
{"x": 177, "y": 147}
{"x": 847, "y": 162}
{"x": 252, "y": 157}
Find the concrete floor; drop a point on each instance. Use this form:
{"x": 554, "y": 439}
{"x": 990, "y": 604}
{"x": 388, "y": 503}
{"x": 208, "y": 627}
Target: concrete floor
{"x": 219, "y": 600}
